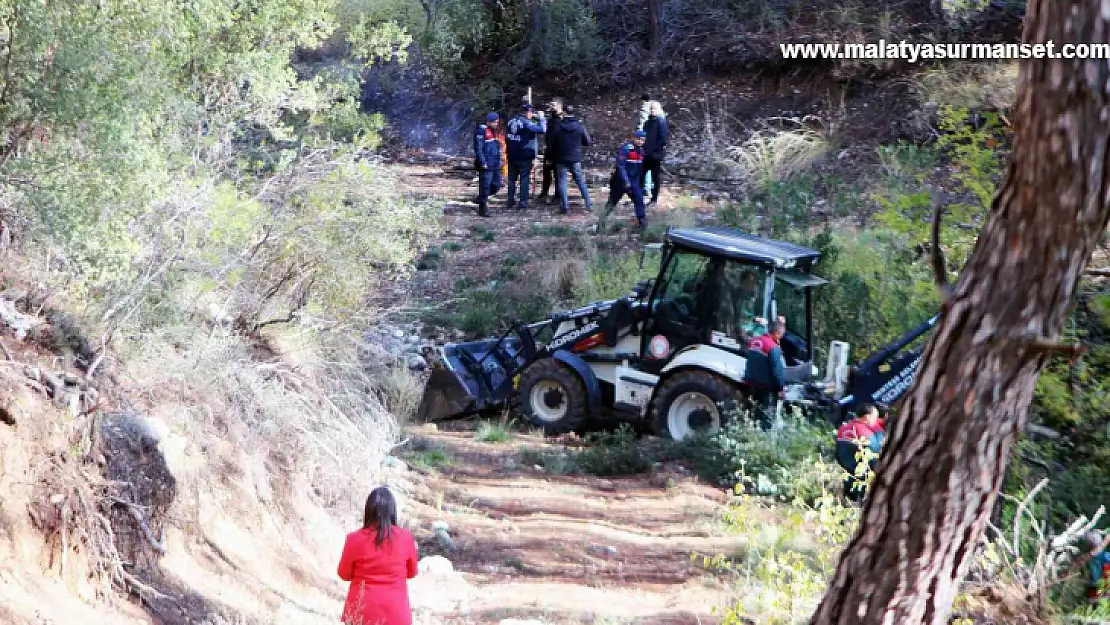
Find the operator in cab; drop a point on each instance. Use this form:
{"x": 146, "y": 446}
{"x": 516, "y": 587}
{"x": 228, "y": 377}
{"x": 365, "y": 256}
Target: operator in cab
{"x": 772, "y": 338}
{"x": 865, "y": 431}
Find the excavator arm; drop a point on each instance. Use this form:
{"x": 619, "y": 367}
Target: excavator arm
{"x": 887, "y": 374}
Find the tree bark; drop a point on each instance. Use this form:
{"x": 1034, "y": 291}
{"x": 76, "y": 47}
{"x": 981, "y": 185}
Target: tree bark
{"x": 940, "y": 474}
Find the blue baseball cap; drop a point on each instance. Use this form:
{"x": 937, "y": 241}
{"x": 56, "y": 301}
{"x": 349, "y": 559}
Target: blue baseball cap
{"x": 526, "y": 107}
{"x": 491, "y": 117}
{"x": 639, "y": 134}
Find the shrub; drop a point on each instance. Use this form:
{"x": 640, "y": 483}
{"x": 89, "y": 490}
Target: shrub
{"x": 769, "y": 156}
{"x": 613, "y": 453}
{"x": 493, "y": 432}
{"x": 791, "y": 462}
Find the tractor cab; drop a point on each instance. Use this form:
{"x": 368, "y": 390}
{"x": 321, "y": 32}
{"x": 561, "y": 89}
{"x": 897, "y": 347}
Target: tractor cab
{"x": 722, "y": 288}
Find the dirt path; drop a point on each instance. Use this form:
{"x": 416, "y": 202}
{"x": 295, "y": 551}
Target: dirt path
{"x": 565, "y": 549}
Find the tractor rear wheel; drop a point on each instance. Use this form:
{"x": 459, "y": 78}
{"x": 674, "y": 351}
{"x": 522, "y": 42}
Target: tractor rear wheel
{"x": 552, "y": 396}
{"x": 693, "y": 402}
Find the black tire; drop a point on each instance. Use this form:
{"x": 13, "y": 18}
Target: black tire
{"x": 724, "y": 395}
{"x": 563, "y": 405}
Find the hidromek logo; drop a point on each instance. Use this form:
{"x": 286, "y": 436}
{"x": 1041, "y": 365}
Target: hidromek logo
{"x": 572, "y": 336}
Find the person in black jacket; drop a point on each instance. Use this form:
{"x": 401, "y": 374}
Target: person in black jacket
{"x": 572, "y": 137}
{"x": 551, "y": 147}
{"x": 655, "y": 149}
{"x": 487, "y": 160}
{"x": 520, "y": 146}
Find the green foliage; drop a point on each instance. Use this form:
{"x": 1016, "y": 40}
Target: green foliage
{"x": 792, "y": 462}
{"x": 609, "y": 275}
{"x": 153, "y": 146}
{"x": 493, "y": 432}
{"x": 976, "y": 150}
{"x": 555, "y": 36}
{"x": 489, "y": 309}
{"x": 613, "y": 453}
{"x": 788, "y": 558}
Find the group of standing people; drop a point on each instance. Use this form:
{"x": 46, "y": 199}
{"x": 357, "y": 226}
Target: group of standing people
{"x": 638, "y": 161}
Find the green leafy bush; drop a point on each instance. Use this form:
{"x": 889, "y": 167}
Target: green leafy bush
{"x": 613, "y": 453}
{"x": 791, "y": 462}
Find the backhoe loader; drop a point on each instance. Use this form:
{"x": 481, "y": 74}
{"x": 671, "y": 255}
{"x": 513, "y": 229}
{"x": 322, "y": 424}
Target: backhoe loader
{"x": 675, "y": 351}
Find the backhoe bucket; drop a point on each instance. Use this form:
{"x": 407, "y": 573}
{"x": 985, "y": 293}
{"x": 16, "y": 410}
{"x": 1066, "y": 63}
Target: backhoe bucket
{"x": 468, "y": 378}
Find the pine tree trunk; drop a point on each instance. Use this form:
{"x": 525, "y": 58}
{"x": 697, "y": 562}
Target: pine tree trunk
{"x": 655, "y": 34}
{"x": 941, "y": 471}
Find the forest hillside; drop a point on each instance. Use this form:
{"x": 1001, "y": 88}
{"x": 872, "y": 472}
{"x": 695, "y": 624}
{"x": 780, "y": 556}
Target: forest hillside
{"x": 231, "y": 235}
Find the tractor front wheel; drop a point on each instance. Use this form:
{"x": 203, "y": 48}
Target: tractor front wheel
{"x": 693, "y": 402}
{"x": 552, "y": 396}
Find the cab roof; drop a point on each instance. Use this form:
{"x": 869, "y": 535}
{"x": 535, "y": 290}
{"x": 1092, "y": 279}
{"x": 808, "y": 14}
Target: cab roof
{"x": 737, "y": 245}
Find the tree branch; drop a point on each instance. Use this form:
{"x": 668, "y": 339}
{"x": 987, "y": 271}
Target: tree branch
{"x": 940, "y": 267}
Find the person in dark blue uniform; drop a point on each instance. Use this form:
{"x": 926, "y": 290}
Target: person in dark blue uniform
{"x": 521, "y": 145}
{"x": 487, "y": 160}
{"x": 626, "y": 178}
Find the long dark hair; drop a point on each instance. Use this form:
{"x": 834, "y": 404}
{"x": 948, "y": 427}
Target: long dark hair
{"x": 381, "y": 513}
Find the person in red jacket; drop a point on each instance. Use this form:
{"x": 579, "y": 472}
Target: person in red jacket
{"x": 378, "y": 560}
{"x": 767, "y": 342}
{"x": 866, "y": 430}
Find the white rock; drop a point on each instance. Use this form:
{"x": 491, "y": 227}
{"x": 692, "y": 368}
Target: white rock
{"x": 398, "y": 334}
{"x": 435, "y": 565}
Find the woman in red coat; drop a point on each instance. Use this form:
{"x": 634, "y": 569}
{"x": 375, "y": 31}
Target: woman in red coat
{"x": 378, "y": 560}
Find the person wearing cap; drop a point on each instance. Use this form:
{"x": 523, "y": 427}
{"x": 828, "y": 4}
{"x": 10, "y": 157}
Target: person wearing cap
{"x": 487, "y": 160}
{"x": 521, "y": 145}
{"x": 626, "y": 179}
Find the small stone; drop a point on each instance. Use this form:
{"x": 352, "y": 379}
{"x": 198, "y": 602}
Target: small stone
{"x": 435, "y": 565}
{"x": 398, "y": 334}
{"x": 417, "y": 363}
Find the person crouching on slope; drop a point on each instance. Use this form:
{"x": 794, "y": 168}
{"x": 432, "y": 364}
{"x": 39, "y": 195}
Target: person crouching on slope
{"x": 487, "y": 160}
{"x": 378, "y": 560}
{"x": 626, "y": 179}
{"x": 865, "y": 431}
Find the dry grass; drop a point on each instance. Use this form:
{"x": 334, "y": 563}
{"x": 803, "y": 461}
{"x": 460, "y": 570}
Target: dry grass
{"x": 304, "y": 422}
{"x": 563, "y": 278}
{"x": 401, "y": 391}
{"x": 771, "y": 155}
{"x": 989, "y": 85}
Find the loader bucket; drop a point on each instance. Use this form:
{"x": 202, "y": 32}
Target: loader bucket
{"x": 445, "y": 396}
{"x": 468, "y": 378}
